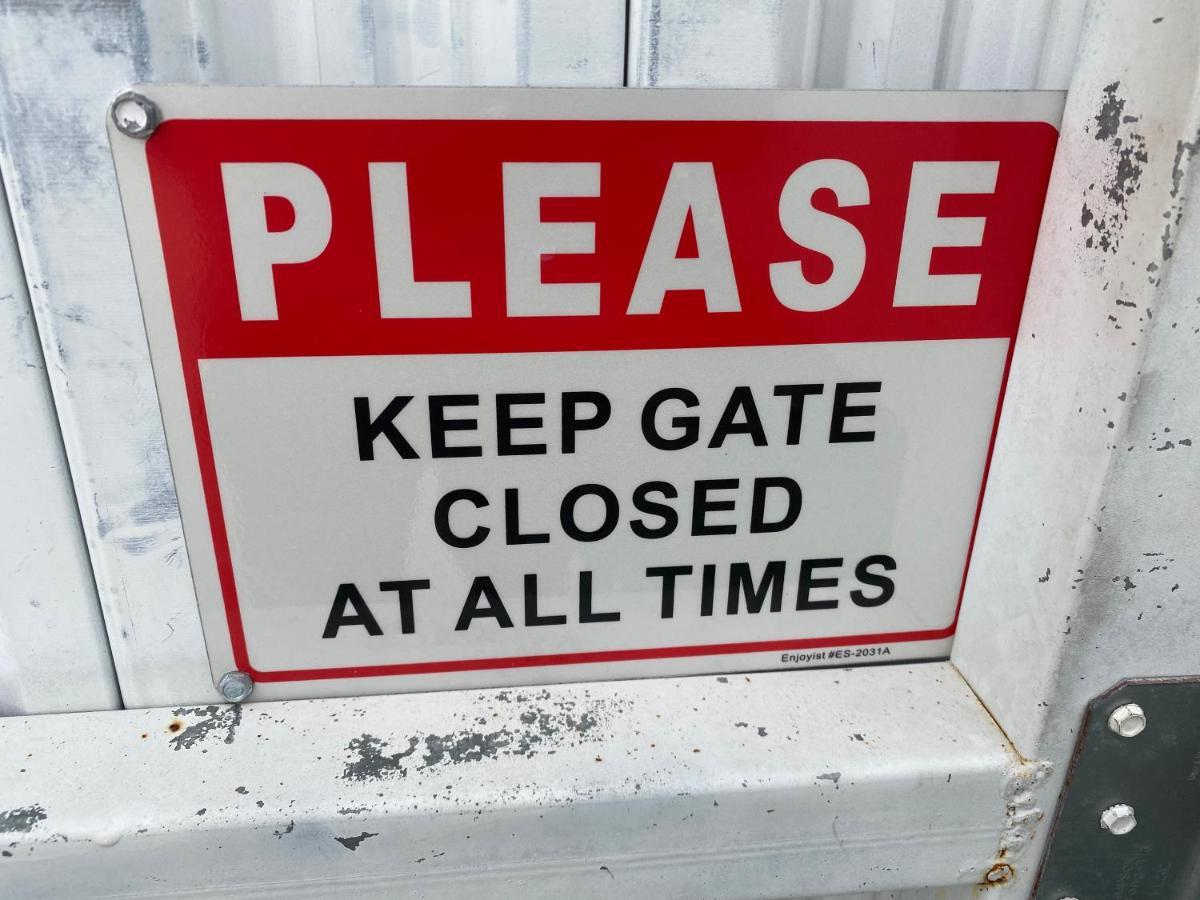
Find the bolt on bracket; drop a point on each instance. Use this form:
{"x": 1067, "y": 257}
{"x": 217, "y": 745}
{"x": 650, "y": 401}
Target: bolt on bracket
{"x": 1128, "y": 821}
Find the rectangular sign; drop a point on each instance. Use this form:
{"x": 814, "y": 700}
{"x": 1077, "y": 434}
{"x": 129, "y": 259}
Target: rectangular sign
{"x": 498, "y": 386}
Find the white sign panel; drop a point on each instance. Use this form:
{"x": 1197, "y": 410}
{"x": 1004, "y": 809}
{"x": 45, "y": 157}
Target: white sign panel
{"x": 471, "y": 387}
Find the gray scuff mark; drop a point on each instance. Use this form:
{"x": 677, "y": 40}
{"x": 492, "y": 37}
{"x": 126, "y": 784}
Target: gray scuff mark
{"x": 290, "y": 827}
{"x": 159, "y": 503}
{"x": 351, "y": 843}
{"x": 118, "y": 38}
{"x": 210, "y": 721}
{"x": 835, "y": 777}
{"x": 1042, "y": 579}
{"x": 22, "y": 818}
{"x": 203, "y": 55}
{"x": 152, "y": 521}
{"x": 654, "y": 51}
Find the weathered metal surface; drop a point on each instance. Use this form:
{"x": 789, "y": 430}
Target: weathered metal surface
{"x": 879, "y": 779}
{"x": 53, "y": 651}
{"x": 61, "y": 64}
{"x": 900, "y": 44}
{"x": 1155, "y": 775}
{"x": 1085, "y": 567}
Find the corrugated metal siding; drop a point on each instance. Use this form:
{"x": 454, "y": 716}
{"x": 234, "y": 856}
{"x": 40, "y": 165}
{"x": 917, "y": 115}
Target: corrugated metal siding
{"x": 899, "y": 44}
{"x": 60, "y": 63}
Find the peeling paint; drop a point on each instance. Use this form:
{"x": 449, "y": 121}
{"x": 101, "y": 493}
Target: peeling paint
{"x": 543, "y": 729}
{"x": 209, "y": 721}
{"x": 22, "y": 819}
{"x": 1105, "y": 207}
{"x": 372, "y": 763}
{"x": 1185, "y": 151}
{"x": 351, "y": 843}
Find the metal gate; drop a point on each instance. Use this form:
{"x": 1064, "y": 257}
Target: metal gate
{"x": 890, "y": 781}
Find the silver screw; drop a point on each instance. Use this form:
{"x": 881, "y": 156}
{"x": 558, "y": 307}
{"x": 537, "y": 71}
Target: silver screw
{"x": 1118, "y": 819}
{"x": 236, "y": 686}
{"x": 135, "y": 115}
{"x": 1128, "y": 720}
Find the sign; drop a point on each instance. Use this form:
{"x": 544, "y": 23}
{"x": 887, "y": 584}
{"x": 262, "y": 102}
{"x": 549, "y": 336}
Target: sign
{"x": 499, "y": 386}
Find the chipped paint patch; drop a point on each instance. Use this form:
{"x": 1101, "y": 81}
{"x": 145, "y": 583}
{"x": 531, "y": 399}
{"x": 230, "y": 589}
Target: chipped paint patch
{"x": 1185, "y": 152}
{"x": 1105, "y": 209}
{"x": 541, "y": 728}
{"x": 371, "y": 763}
{"x": 351, "y": 843}
{"x": 209, "y": 721}
{"x": 21, "y": 819}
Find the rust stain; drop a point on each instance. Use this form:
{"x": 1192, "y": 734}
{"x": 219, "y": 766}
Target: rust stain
{"x": 1000, "y": 874}
{"x": 176, "y": 726}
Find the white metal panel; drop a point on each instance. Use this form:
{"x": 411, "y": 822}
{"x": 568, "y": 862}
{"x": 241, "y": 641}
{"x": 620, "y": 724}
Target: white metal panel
{"x": 903, "y": 44}
{"x": 749, "y": 786}
{"x": 53, "y": 650}
{"x": 1085, "y": 568}
{"x": 61, "y": 65}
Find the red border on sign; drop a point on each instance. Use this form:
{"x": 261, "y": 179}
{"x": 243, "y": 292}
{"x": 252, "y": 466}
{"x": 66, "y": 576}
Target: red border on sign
{"x": 183, "y": 158}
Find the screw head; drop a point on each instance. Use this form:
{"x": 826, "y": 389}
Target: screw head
{"x": 134, "y": 115}
{"x": 1118, "y": 819}
{"x": 236, "y": 686}
{"x": 1127, "y": 720}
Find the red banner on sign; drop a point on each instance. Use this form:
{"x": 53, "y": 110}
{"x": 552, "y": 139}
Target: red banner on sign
{"x": 330, "y": 305}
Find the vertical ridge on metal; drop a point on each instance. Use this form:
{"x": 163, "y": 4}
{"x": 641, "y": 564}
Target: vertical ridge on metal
{"x": 895, "y": 44}
{"x": 1085, "y": 568}
{"x": 53, "y": 651}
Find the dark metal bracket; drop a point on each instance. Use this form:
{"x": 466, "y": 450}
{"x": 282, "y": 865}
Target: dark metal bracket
{"x": 1128, "y": 821}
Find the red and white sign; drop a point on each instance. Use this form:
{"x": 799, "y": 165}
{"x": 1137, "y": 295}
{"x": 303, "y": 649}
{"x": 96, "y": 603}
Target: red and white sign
{"x": 471, "y": 386}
